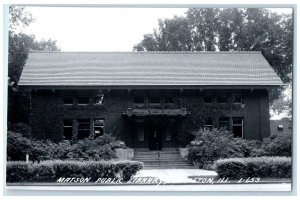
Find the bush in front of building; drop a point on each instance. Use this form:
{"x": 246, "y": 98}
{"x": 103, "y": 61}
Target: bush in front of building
{"x": 102, "y": 148}
{"x": 261, "y": 167}
{"x": 210, "y": 145}
{"x": 51, "y": 171}
{"x": 276, "y": 145}
{"x": 20, "y": 127}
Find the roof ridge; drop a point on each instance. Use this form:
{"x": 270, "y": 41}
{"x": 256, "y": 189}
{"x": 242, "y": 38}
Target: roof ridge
{"x": 153, "y": 52}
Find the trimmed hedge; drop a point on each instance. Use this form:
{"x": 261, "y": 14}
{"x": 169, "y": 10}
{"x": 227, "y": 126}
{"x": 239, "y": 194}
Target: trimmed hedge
{"x": 51, "y": 171}
{"x": 263, "y": 167}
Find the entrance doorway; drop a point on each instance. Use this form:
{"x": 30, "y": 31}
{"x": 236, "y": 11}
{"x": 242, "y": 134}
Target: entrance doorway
{"x": 155, "y": 133}
{"x": 155, "y": 138}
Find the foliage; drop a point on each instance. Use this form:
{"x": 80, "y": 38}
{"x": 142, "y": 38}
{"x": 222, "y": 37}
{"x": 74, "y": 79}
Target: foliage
{"x": 18, "y": 48}
{"x": 211, "y": 29}
{"x": 210, "y": 145}
{"x": 172, "y": 35}
{"x": 277, "y": 145}
{"x": 20, "y": 127}
{"x": 270, "y": 167}
{"x": 284, "y": 104}
{"x": 19, "y": 17}
{"x": 102, "y": 148}
{"x": 51, "y": 171}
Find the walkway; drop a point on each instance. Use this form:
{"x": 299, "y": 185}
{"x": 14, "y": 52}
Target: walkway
{"x": 175, "y": 176}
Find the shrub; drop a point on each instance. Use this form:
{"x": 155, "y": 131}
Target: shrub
{"x": 270, "y": 167}
{"x": 211, "y": 145}
{"x": 277, "y": 145}
{"x": 20, "y": 127}
{"x": 51, "y": 171}
{"x": 102, "y": 148}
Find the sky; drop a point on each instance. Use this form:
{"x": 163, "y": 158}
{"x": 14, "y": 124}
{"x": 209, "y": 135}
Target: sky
{"x": 98, "y": 29}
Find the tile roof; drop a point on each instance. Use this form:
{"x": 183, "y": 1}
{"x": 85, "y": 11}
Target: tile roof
{"x": 147, "y": 69}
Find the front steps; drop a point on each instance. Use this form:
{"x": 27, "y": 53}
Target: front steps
{"x": 165, "y": 159}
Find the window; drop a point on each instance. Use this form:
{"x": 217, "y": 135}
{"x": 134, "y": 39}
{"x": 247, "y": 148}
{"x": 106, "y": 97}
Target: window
{"x": 224, "y": 122}
{"x": 83, "y": 129}
{"x": 237, "y": 99}
{"x": 237, "y": 126}
{"x": 68, "y": 125}
{"x": 209, "y": 123}
{"x": 154, "y": 100}
{"x": 68, "y": 100}
{"x": 83, "y": 100}
{"x": 98, "y": 127}
{"x": 98, "y": 100}
{"x": 208, "y": 99}
{"x": 280, "y": 127}
{"x": 141, "y": 134}
{"x": 221, "y": 99}
{"x": 169, "y": 100}
{"x": 139, "y": 100}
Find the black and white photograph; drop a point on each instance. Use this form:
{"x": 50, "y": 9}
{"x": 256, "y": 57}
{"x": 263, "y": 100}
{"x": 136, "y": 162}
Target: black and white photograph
{"x": 191, "y": 98}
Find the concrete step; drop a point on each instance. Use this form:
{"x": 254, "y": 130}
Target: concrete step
{"x": 156, "y": 158}
{"x": 168, "y": 167}
{"x": 163, "y": 161}
{"x": 168, "y": 159}
{"x": 156, "y": 154}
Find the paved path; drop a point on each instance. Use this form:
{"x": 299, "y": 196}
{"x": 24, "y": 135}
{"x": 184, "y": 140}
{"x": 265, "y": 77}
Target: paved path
{"x": 175, "y": 175}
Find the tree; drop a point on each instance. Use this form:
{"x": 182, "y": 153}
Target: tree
{"x": 213, "y": 29}
{"x": 204, "y": 24}
{"x": 19, "y": 46}
{"x": 284, "y": 104}
{"x": 172, "y": 35}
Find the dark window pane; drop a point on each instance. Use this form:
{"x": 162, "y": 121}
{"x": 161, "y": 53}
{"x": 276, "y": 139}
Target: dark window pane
{"x": 155, "y": 100}
{"x": 224, "y": 122}
{"x": 83, "y": 129}
{"x": 237, "y": 120}
{"x": 169, "y": 100}
{"x": 221, "y": 99}
{"x": 98, "y": 127}
{"x": 139, "y": 100}
{"x": 68, "y": 100}
{"x": 238, "y": 99}
{"x": 237, "y": 126}
{"x": 209, "y": 123}
{"x": 83, "y": 100}
{"x": 237, "y": 131}
{"x": 98, "y": 131}
{"x": 68, "y": 129}
{"x": 208, "y": 99}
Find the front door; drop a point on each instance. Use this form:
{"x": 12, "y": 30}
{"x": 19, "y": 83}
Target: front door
{"x": 155, "y": 138}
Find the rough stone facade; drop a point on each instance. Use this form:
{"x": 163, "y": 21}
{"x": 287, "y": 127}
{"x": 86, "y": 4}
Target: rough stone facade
{"x": 48, "y": 113}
